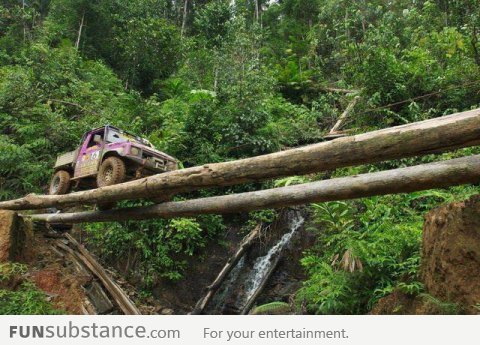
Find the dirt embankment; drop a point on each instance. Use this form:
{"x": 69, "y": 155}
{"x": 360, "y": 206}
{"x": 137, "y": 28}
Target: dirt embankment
{"x": 50, "y": 272}
{"x": 66, "y": 282}
{"x": 451, "y": 253}
{"x": 450, "y": 267}
{"x": 14, "y": 235}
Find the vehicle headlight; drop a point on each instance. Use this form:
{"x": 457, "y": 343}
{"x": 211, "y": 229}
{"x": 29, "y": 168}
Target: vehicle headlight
{"x": 135, "y": 151}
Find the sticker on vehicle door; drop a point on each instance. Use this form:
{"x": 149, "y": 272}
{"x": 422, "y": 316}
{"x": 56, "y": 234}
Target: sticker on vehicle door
{"x": 88, "y": 164}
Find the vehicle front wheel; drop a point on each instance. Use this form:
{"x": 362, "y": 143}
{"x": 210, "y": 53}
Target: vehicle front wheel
{"x": 60, "y": 183}
{"x": 112, "y": 171}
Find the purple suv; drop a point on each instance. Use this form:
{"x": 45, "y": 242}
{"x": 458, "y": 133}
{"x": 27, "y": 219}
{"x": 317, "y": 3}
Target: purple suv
{"x": 107, "y": 156}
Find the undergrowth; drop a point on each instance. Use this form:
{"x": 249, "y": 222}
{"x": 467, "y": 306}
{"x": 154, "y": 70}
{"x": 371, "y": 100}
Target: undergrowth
{"x": 367, "y": 248}
{"x": 25, "y": 298}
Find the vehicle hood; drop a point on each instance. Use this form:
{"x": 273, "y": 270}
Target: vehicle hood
{"x": 154, "y": 151}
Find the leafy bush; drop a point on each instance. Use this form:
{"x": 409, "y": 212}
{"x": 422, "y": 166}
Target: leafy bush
{"x": 272, "y": 308}
{"x": 364, "y": 250}
{"x": 10, "y": 270}
{"x": 446, "y": 308}
{"x": 25, "y": 299}
{"x": 161, "y": 247}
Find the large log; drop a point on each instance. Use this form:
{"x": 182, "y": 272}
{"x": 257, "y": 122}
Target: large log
{"x": 433, "y": 175}
{"x": 419, "y": 138}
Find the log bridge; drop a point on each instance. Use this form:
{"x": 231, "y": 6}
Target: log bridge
{"x": 415, "y": 139}
{"x": 436, "y": 135}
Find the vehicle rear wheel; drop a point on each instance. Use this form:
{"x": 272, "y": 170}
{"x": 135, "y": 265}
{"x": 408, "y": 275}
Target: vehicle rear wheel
{"x": 60, "y": 183}
{"x": 112, "y": 171}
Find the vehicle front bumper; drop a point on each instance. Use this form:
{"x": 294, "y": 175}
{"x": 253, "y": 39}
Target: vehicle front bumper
{"x": 154, "y": 165}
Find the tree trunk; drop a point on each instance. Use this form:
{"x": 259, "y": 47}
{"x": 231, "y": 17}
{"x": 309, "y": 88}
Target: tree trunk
{"x": 474, "y": 42}
{"x": 336, "y": 89}
{"x": 419, "y": 138}
{"x": 184, "y": 20}
{"x": 77, "y": 43}
{"x": 215, "y": 80}
{"x": 231, "y": 263}
{"x": 405, "y": 180}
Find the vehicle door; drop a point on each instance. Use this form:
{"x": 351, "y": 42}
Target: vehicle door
{"x": 89, "y": 157}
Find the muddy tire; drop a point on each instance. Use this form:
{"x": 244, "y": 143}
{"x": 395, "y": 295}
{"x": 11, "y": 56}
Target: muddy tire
{"x": 60, "y": 183}
{"x": 112, "y": 171}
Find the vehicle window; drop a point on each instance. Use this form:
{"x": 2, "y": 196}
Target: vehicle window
{"x": 92, "y": 142}
{"x": 115, "y": 137}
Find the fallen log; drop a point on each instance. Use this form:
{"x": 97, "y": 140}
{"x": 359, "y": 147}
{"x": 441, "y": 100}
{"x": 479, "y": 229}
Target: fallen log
{"x": 122, "y": 300}
{"x": 231, "y": 263}
{"x": 426, "y": 176}
{"x": 339, "y": 90}
{"x": 343, "y": 116}
{"x": 419, "y": 138}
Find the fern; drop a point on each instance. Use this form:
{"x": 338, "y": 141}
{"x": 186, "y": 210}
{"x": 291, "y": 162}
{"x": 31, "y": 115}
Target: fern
{"x": 272, "y": 308}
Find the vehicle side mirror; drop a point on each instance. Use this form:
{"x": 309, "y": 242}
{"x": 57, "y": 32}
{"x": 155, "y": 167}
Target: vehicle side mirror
{"x": 97, "y": 138}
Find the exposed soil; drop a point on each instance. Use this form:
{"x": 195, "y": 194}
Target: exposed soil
{"x": 6, "y": 219}
{"x": 451, "y": 253}
{"x": 13, "y": 234}
{"x": 395, "y": 303}
{"x": 62, "y": 286}
{"x": 54, "y": 274}
{"x": 450, "y": 266}
{"x": 400, "y": 303}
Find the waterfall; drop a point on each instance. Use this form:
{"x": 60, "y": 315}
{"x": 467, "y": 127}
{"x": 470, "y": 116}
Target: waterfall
{"x": 246, "y": 280}
{"x": 262, "y": 266}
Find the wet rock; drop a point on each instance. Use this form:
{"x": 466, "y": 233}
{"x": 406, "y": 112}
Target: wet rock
{"x": 167, "y": 311}
{"x": 98, "y": 298}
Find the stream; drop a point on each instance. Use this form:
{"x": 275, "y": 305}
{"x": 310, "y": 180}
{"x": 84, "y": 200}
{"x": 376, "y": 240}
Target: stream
{"x": 246, "y": 280}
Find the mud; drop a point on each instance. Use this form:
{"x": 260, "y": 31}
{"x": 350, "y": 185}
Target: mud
{"x": 62, "y": 286}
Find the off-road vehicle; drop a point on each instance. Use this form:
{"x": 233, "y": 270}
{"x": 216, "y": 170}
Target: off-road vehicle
{"x": 107, "y": 156}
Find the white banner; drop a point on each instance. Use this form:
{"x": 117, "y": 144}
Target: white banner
{"x": 226, "y": 329}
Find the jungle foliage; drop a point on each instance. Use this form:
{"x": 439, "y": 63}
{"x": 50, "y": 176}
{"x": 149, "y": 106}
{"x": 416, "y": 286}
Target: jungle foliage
{"x": 231, "y": 79}
{"x": 25, "y": 298}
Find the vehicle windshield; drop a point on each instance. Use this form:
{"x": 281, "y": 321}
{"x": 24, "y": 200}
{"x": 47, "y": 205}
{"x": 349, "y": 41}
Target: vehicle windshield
{"x": 118, "y": 137}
